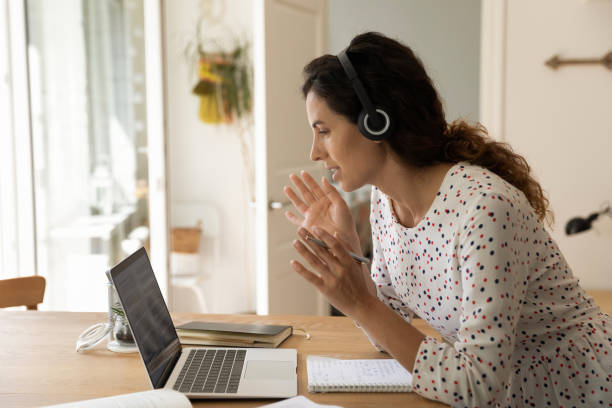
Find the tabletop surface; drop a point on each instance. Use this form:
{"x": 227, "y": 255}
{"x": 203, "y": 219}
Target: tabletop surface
{"x": 40, "y": 365}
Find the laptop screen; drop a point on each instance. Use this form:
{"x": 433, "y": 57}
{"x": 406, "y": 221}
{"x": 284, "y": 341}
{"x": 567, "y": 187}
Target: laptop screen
{"x": 147, "y": 314}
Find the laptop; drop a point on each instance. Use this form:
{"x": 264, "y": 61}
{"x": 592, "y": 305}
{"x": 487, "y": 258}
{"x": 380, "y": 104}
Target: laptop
{"x": 210, "y": 372}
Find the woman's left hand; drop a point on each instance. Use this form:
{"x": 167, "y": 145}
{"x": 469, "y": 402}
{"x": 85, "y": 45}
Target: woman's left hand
{"x": 338, "y": 277}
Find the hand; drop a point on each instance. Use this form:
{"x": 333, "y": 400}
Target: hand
{"x": 322, "y": 207}
{"x": 338, "y": 277}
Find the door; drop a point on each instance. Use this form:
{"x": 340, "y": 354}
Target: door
{"x": 559, "y": 119}
{"x": 288, "y": 34}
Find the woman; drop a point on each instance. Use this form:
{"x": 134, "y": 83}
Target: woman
{"x": 459, "y": 240}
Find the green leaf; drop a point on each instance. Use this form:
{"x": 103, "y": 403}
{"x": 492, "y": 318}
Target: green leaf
{"x": 118, "y": 310}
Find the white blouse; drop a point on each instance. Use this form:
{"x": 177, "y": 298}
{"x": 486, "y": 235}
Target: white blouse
{"x": 481, "y": 269}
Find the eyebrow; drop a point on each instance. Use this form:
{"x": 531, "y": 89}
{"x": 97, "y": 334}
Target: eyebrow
{"x": 317, "y": 122}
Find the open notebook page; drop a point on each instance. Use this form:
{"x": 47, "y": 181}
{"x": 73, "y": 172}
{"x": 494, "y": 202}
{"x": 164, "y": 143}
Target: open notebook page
{"x": 147, "y": 399}
{"x": 373, "y": 375}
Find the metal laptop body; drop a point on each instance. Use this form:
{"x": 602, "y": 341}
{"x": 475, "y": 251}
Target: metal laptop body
{"x": 226, "y": 372}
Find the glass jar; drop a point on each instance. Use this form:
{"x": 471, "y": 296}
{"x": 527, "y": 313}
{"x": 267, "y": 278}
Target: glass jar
{"x": 121, "y": 338}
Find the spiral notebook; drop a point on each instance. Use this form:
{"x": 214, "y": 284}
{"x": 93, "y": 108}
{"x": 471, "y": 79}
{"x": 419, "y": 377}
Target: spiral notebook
{"x": 376, "y": 375}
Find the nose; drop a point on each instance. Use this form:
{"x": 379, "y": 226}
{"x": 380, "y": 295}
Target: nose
{"x": 316, "y": 152}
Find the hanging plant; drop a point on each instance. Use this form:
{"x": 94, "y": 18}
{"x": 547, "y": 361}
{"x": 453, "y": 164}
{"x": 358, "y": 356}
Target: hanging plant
{"x": 224, "y": 85}
{"x": 223, "y": 76}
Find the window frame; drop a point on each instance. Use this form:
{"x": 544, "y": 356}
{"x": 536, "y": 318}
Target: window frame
{"x": 18, "y": 226}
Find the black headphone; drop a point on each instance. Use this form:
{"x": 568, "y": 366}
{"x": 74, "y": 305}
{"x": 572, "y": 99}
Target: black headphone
{"x": 374, "y": 123}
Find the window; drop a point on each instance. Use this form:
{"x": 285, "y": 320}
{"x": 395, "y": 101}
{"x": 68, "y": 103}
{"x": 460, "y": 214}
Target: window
{"x": 8, "y": 225}
{"x": 86, "y": 125}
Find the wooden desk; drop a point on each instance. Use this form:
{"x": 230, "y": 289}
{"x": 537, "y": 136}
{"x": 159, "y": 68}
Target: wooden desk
{"x": 603, "y": 299}
{"x": 39, "y": 364}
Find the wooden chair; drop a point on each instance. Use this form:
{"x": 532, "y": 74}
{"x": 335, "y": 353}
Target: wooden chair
{"x": 27, "y": 291}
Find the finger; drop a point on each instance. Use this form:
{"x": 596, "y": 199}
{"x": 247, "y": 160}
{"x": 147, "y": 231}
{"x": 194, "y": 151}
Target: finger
{"x": 311, "y": 258}
{"x": 306, "y": 274}
{"x": 295, "y": 200}
{"x": 323, "y": 253}
{"x": 341, "y": 238}
{"x": 330, "y": 190}
{"x": 294, "y": 218}
{"x": 313, "y": 185}
{"x": 339, "y": 251}
{"x": 303, "y": 189}
{"x": 344, "y": 242}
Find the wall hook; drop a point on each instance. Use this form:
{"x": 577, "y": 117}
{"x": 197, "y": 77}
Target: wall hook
{"x": 555, "y": 61}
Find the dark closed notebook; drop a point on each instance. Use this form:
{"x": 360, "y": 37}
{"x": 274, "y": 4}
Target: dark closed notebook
{"x": 232, "y": 334}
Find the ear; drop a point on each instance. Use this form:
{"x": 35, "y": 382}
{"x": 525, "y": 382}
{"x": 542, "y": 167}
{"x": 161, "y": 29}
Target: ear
{"x": 386, "y": 148}
{"x": 379, "y": 142}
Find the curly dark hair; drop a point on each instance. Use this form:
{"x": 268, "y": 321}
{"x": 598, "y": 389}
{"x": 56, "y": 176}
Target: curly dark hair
{"x": 395, "y": 79}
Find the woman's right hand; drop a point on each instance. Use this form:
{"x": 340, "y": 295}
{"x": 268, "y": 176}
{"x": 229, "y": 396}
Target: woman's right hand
{"x": 321, "y": 206}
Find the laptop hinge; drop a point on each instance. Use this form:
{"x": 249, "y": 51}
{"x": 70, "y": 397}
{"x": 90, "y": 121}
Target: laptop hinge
{"x": 173, "y": 351}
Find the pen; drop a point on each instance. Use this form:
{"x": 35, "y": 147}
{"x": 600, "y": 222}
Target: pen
{"x": 357, "y": 258}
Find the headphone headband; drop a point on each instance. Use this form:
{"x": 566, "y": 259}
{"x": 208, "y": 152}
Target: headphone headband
{"x": 357, "y": 85}
{"x": 379, "y": 130}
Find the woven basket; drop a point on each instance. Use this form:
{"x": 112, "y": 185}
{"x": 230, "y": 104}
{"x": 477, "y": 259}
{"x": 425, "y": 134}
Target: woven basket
{"x": 187, "y": 239}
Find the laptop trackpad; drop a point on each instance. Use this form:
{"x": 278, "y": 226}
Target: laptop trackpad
{"x": 269, "y": 370}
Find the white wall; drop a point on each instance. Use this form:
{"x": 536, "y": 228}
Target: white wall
{"x": 444, "y": 34}
{"x": 560, "y": 120}
{"x": 205, "y": 162}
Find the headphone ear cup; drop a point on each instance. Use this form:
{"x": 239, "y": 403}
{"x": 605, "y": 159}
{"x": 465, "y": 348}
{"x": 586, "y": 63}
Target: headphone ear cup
{"x": 360, "y": 124}
{"x": 373, "y": 134}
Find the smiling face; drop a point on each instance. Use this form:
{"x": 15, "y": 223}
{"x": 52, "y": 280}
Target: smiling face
{"x": 353, "y": 159}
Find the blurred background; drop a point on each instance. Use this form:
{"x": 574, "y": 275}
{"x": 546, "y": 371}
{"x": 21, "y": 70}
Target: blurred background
{"x": 174, "y": 125}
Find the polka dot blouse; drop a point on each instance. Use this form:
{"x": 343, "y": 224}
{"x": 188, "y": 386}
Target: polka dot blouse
{"x": 480, "y": 268}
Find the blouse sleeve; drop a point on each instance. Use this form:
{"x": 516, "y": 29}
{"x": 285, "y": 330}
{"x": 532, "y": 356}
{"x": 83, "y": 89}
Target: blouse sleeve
{"x": 384, "y": 289}
{"x": 476, "y": 369}
{"x": 380, "y": 274}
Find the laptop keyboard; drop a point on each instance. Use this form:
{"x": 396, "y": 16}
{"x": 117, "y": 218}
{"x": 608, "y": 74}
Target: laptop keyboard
{"x": 211, "y": 371}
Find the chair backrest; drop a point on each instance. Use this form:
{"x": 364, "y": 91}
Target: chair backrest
{"x": 28, "y": 291}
